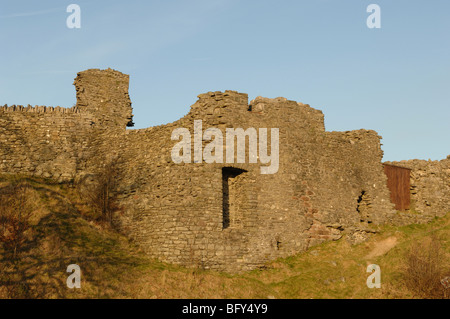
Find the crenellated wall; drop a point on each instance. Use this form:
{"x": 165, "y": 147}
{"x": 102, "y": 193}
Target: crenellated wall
{"x": 66, "y": 143}
{"x": 44, "y": 141}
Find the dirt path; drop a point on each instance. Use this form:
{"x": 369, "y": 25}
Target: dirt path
{"x": 382, "y": 247}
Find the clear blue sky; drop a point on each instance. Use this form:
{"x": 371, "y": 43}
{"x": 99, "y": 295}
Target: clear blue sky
{"x": 395, "y": 80}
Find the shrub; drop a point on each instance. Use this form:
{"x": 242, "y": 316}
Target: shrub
{"x": 15, "y": 213}
{"x": 424, "y": 269}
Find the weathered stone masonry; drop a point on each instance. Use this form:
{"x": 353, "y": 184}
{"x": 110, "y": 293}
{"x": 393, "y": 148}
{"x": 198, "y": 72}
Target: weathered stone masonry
{"x": 63, "y": 143}
{"x": 219, "y": 216}
{"x": 429, "y": 187}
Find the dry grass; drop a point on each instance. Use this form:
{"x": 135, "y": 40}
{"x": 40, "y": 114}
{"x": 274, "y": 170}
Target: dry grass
{"x": 112, "y": 267}
{"x": 57, "y": 237}
{"x": 15, "y": 215}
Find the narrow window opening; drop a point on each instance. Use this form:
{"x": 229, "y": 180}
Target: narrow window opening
{"x": 230, "y": 190}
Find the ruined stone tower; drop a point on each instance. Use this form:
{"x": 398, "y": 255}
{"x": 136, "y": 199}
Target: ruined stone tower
{"x": 104, "y": 94}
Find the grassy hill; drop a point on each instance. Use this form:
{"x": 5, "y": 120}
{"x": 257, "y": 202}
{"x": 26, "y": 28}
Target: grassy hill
{"x": 60, "y": 230}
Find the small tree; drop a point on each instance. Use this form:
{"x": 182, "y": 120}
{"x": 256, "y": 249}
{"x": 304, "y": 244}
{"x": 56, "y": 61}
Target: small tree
{"x": 100, "y": 192}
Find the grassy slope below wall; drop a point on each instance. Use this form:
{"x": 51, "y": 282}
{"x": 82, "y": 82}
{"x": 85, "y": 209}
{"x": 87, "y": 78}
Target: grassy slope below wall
{"x": 112, "y": 267}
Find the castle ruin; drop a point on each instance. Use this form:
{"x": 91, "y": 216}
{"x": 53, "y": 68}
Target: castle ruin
{"x": 220, "y": 216}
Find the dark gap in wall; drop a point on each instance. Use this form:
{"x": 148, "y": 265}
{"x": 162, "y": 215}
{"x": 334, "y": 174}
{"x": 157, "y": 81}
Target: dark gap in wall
{"x": 228, "y": 173}
{"x": 360, "y": 198}
{"x": 364, "y": 207}
{"x": 278, "y": 245}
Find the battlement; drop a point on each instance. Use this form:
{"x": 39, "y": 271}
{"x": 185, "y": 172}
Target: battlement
{"x": 39, "y": 109}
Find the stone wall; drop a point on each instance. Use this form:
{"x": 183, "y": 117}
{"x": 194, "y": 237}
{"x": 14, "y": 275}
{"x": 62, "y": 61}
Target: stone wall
{"x": 66, "y": 143}
{"x": 44, "y": 141}
{"x": 176, "y": 211}
{"x": 223, "y": 216}
{"x": 430, "y": 186}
